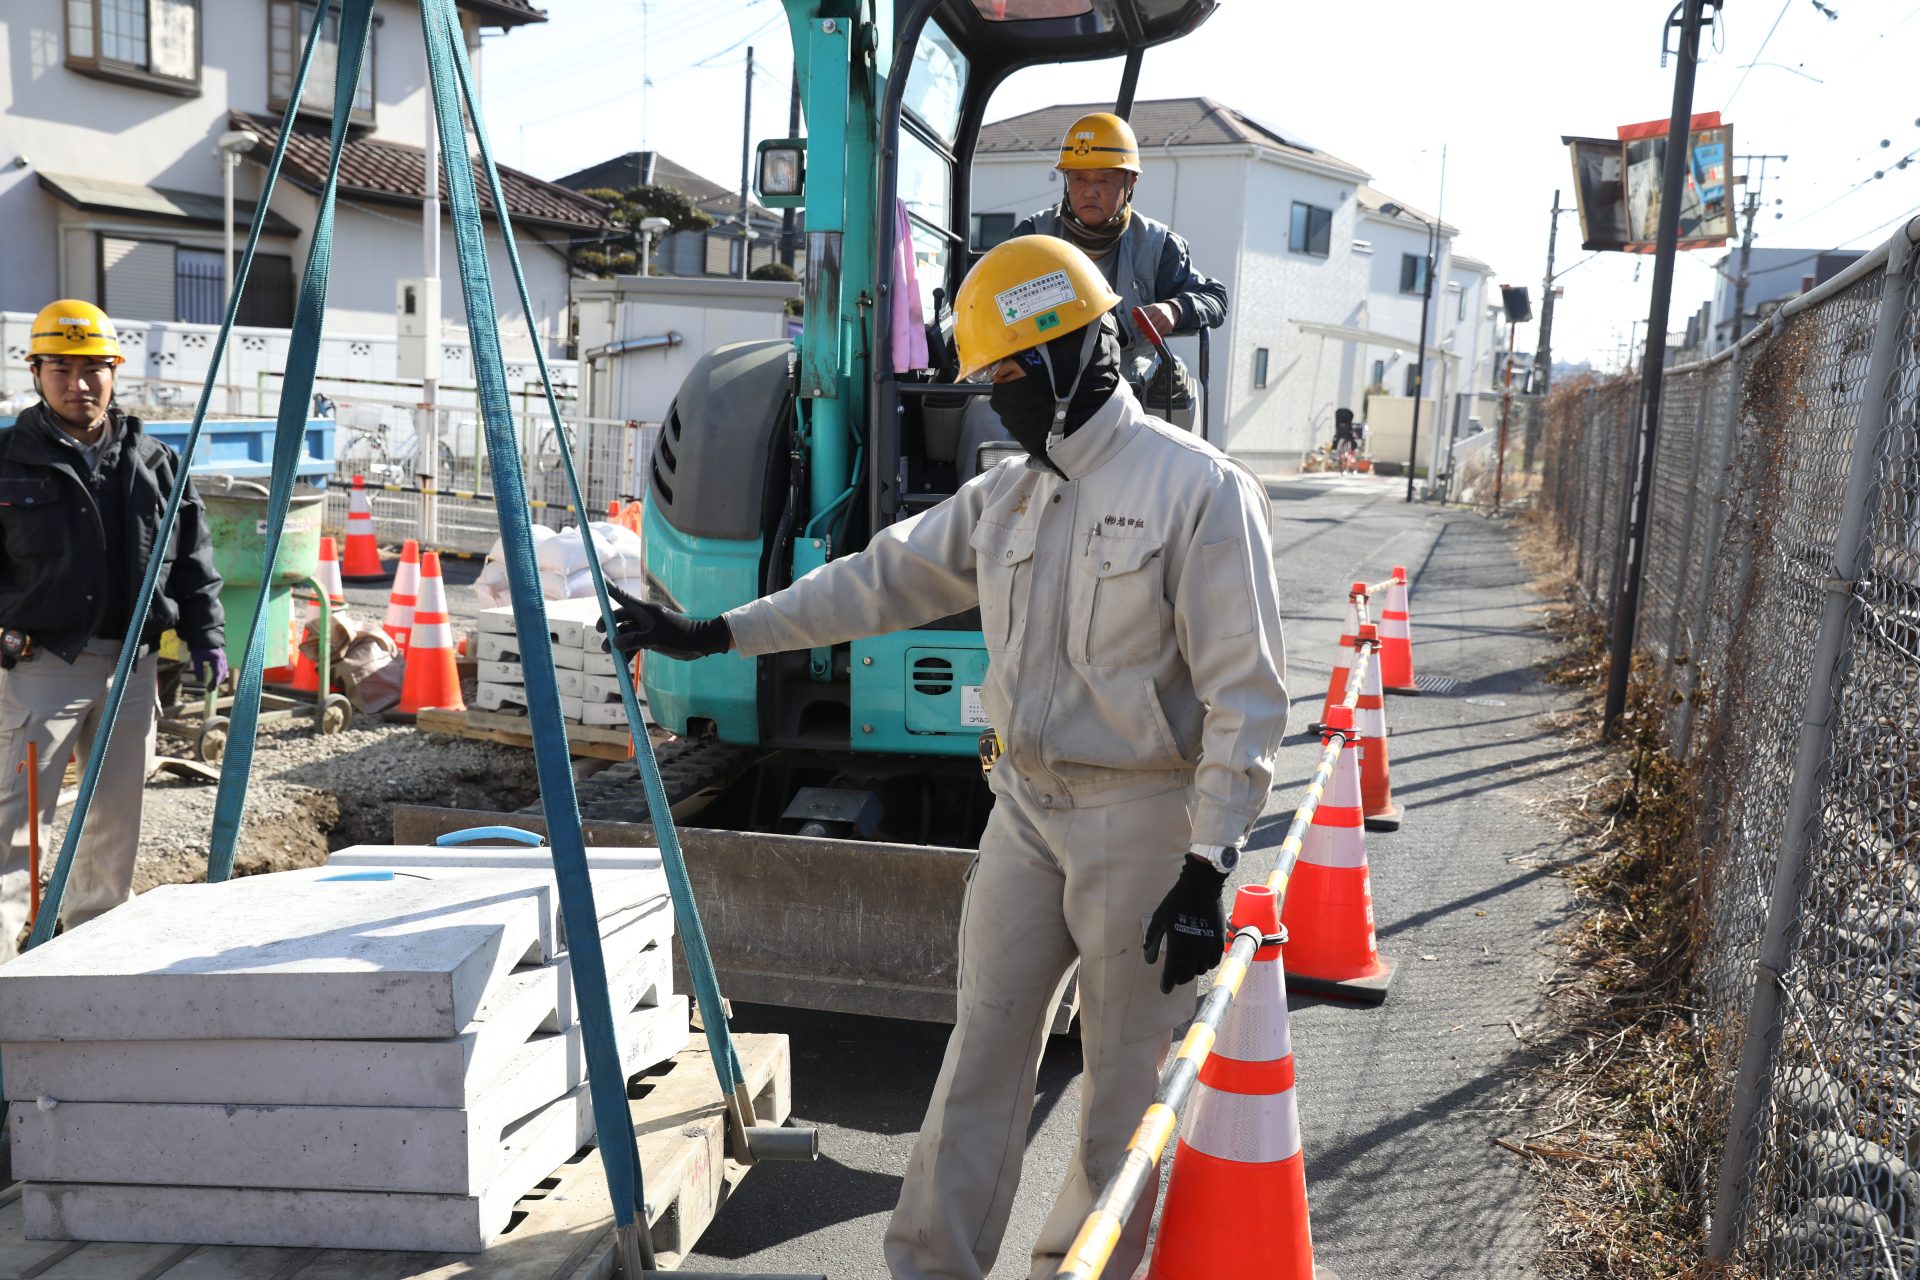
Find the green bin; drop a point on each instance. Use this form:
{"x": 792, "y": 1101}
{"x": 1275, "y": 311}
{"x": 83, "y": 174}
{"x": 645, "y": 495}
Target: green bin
{"x": 237, "y": 523}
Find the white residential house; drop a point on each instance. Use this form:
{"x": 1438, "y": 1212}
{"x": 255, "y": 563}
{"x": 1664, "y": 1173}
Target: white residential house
{"x": 1312, "y": 264}
{"x": 111, "y": 184}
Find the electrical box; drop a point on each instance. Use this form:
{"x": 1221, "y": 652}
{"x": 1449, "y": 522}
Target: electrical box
{"x": 416, "y": 324}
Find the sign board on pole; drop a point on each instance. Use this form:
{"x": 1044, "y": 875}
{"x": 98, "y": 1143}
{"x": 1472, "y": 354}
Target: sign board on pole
{"x": 1617, "y": 186}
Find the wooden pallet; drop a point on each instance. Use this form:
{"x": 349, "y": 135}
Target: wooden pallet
{"x": 561, "y": 1230}
{"x": 605, "y": 742}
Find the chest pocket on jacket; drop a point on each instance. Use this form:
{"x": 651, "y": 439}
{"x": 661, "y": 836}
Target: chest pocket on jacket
{"x": 1118, "y": 610}
{"x": 1005, "y": 569}
{"x": 33, "y": 516}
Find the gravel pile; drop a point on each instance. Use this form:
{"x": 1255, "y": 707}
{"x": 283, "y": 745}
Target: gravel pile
{"x": 309, "y": 795}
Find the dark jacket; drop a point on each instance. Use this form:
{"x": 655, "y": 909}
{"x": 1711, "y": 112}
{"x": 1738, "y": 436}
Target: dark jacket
{"x": 1150, "y": 264}
{"x": 53, "y": 554}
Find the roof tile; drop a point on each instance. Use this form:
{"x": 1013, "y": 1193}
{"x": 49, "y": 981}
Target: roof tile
{"x": 1164, "y": 122}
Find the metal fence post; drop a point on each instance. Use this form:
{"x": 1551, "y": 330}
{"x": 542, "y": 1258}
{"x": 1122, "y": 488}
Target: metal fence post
{"x": 1832, "y": 659}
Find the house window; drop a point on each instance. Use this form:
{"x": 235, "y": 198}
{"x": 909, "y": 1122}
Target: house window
{"x": 1460, "y": 307}
{"x": 1312, "y": 230}
{"x": 288, "y": 22}
{"x": 199, "y": 286}
{"x": 988, "y": 230}
{"x": 1260, "y": 365}
{"x": 1413, "y": 273}
{"x": 1413, "y": 379}
{"x": 1379, "y": 373}
{"x": 155, "y": 43}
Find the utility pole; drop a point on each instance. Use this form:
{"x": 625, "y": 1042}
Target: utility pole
{"x": 1753, "y": 185}
{"x": 1543, "y": 354}
{"x": 789, "y": 218}
{"x": 1666, "y": 248}
{"x": 746, "y": 165}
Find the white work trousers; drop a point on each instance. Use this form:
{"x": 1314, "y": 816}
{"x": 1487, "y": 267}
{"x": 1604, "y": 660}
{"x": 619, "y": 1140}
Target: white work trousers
{"x": 1052, "y": 885}
{"x": 59, "y": 708}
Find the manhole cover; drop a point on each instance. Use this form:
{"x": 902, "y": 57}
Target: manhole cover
{"x": 1437, "y": 684}
{"x": 1484, "y": 702}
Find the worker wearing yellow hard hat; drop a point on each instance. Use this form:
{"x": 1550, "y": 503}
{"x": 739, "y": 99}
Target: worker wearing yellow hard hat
{"x": 1123, "y": 574}
{"x": 1148, "y": 264}
{"x": 82, "y": 489}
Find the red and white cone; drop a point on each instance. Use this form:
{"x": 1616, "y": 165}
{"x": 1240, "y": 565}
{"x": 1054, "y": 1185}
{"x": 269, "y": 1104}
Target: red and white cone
{"x": 1331, "y": 949}
{"x": 433, "y": 676}
{"x": 1396, "y": 638}
{"x": 363, "y": 552}
{"x": 1236, "y": 1201}
{"x": 1370, "y": 723}
{"x": 306, "y": 674}
{"x": 1342, "y": 662}
{"x": 405, "y": 594}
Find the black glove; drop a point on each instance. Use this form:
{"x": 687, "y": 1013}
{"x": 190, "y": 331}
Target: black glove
{"x": 662, "y": 631}
{"x": 1189, "y": 919}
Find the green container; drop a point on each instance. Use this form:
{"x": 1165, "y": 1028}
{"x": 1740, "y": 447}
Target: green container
{"x": 237, "y": 524}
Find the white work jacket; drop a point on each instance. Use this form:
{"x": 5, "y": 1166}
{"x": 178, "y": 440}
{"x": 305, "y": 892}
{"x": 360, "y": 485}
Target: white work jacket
{"x": 1130, "y": 612}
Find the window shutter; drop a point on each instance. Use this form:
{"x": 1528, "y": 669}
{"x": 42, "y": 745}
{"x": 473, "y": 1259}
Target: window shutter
{"x": 139, "y": 278}
{"x": 718, "y": 258}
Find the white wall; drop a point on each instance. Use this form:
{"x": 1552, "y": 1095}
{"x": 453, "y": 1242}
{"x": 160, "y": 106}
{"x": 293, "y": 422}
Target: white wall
{"x": 66, "y": 123}
{"x": 639, "y": 385}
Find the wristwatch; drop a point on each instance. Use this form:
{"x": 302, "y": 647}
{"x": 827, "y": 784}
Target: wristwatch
{"x": 1222, "y": 858}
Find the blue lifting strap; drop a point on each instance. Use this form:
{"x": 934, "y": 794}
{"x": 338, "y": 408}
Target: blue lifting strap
{"x": 693, "y": 938}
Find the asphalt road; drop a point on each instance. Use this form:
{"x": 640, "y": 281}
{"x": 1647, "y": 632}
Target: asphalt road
{"x": 1399, "y": 1104}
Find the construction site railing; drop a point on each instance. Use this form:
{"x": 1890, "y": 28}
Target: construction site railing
{"x": 1780, "y": 629}
{"x": 1100, "y": 1232}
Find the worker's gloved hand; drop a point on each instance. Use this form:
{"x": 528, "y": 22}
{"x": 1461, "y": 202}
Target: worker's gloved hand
{"x": 662, "y": 631}
{"x": 1189, "y": 920}
{"x": 209, "y": 667}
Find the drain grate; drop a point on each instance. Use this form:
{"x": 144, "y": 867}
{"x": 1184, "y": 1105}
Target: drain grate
{"x": 1438, "y": 684}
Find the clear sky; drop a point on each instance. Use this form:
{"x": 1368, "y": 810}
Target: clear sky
{"x": 1384, "y": 84}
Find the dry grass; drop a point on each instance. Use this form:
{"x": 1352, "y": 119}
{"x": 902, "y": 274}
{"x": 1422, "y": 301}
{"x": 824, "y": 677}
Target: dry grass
{"x": 1625, "y": 1134}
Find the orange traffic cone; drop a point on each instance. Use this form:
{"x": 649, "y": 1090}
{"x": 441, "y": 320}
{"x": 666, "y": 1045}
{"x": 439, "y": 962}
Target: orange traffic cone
{"x": 306, "y": 675}
{"x": 1237, "y": 1197}
{"x": 363, "y": 553}
{"x": 1396, "y": 637}
{"x": 1337, "y": 686}
{"x": 1330, "y": 948}
{"x": 406, "y": 591}
{"x": 432, "y": 678}
{"x": 1370, "y": 725}
{"x": 284, "y": 675}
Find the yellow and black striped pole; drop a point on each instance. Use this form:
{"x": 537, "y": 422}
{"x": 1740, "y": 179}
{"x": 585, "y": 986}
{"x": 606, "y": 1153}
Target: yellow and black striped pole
{"x": 1093, "y": 1247}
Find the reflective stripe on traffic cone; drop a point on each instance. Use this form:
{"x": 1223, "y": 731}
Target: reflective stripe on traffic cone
{"x": 1330, "y": 947}
{"x": 405, "y": 593}
{"x": 1236, "y": 1201}
{"x": 1337, "y": 686}
{"x": 1370, "y": 725}
{"x": 433, "y": 676}
{"x": 363, "y": 553}
{"x": 1396, "y": 637}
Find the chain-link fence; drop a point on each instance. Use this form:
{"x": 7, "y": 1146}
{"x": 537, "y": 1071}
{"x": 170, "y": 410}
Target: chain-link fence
{"x": 1780, "y": 610}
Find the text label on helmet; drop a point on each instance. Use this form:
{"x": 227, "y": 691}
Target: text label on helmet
{"x": 1034, "y": 296}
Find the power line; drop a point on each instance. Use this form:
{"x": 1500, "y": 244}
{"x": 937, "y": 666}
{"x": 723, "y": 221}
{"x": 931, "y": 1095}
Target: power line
{"x": 1757, "y": 55}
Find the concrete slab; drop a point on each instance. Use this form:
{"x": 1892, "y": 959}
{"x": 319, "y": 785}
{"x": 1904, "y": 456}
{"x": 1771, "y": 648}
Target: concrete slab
{"x": 287, "y": 955}
{"x": 435, "y": 1150}
{"x": 500, "y": 697}
{"x": 493, "y": 857}
{"x": 526, "y": 1005}
{"x": 499, "y": 647}
{"x": 315, "y": 1219}
{"x": 573, "y": 624}
{"x": 607, "y": 713}
{"x": 506, "y": 673}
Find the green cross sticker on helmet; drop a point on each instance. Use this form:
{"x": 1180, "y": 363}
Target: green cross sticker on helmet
{"x": 1035, "y": 296}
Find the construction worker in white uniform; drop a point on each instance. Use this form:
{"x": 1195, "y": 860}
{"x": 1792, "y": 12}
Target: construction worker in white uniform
{"x": 82, "y": 491}
{"x": 1123, "y": 571}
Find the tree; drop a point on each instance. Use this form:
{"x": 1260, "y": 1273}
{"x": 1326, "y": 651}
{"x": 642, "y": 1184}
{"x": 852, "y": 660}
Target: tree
{"x": 778, "y": 271}
{"x": 618, "y": 250}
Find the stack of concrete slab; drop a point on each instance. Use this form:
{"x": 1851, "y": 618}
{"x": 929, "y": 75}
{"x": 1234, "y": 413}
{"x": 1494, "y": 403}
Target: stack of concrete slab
{"x": 357, "y": 1056}
{"x": 588, "y": 674}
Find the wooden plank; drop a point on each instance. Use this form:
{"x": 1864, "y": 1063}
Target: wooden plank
{"x": 598, "y": 741}
{"x": 561, "y": 1230}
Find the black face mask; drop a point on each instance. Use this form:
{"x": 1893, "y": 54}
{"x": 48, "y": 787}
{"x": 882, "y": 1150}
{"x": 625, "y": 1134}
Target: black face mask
{"x": 1026, "y": 405}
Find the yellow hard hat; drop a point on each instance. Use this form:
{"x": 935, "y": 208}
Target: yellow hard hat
{"x": 1100, "y": 141}
{"x": 71, "y": 327}
{"x": 1023, "y": 292}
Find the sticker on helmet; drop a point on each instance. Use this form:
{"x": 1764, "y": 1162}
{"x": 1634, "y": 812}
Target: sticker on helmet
{"x": 1035, "y": 296}
{"x": 1051, "y": 320}
{"x": 72, "y": 320}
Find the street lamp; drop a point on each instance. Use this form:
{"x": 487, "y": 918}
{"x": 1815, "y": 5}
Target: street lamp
{"x": 1394, "y": 210}
{"x": 230, "y": 146}
{"x": 650, "y": 226}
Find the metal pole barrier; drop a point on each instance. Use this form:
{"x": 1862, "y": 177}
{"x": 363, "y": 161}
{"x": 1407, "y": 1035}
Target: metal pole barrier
{"x": 1832, "y": 660}
{"x": 1100, "y": 1232}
